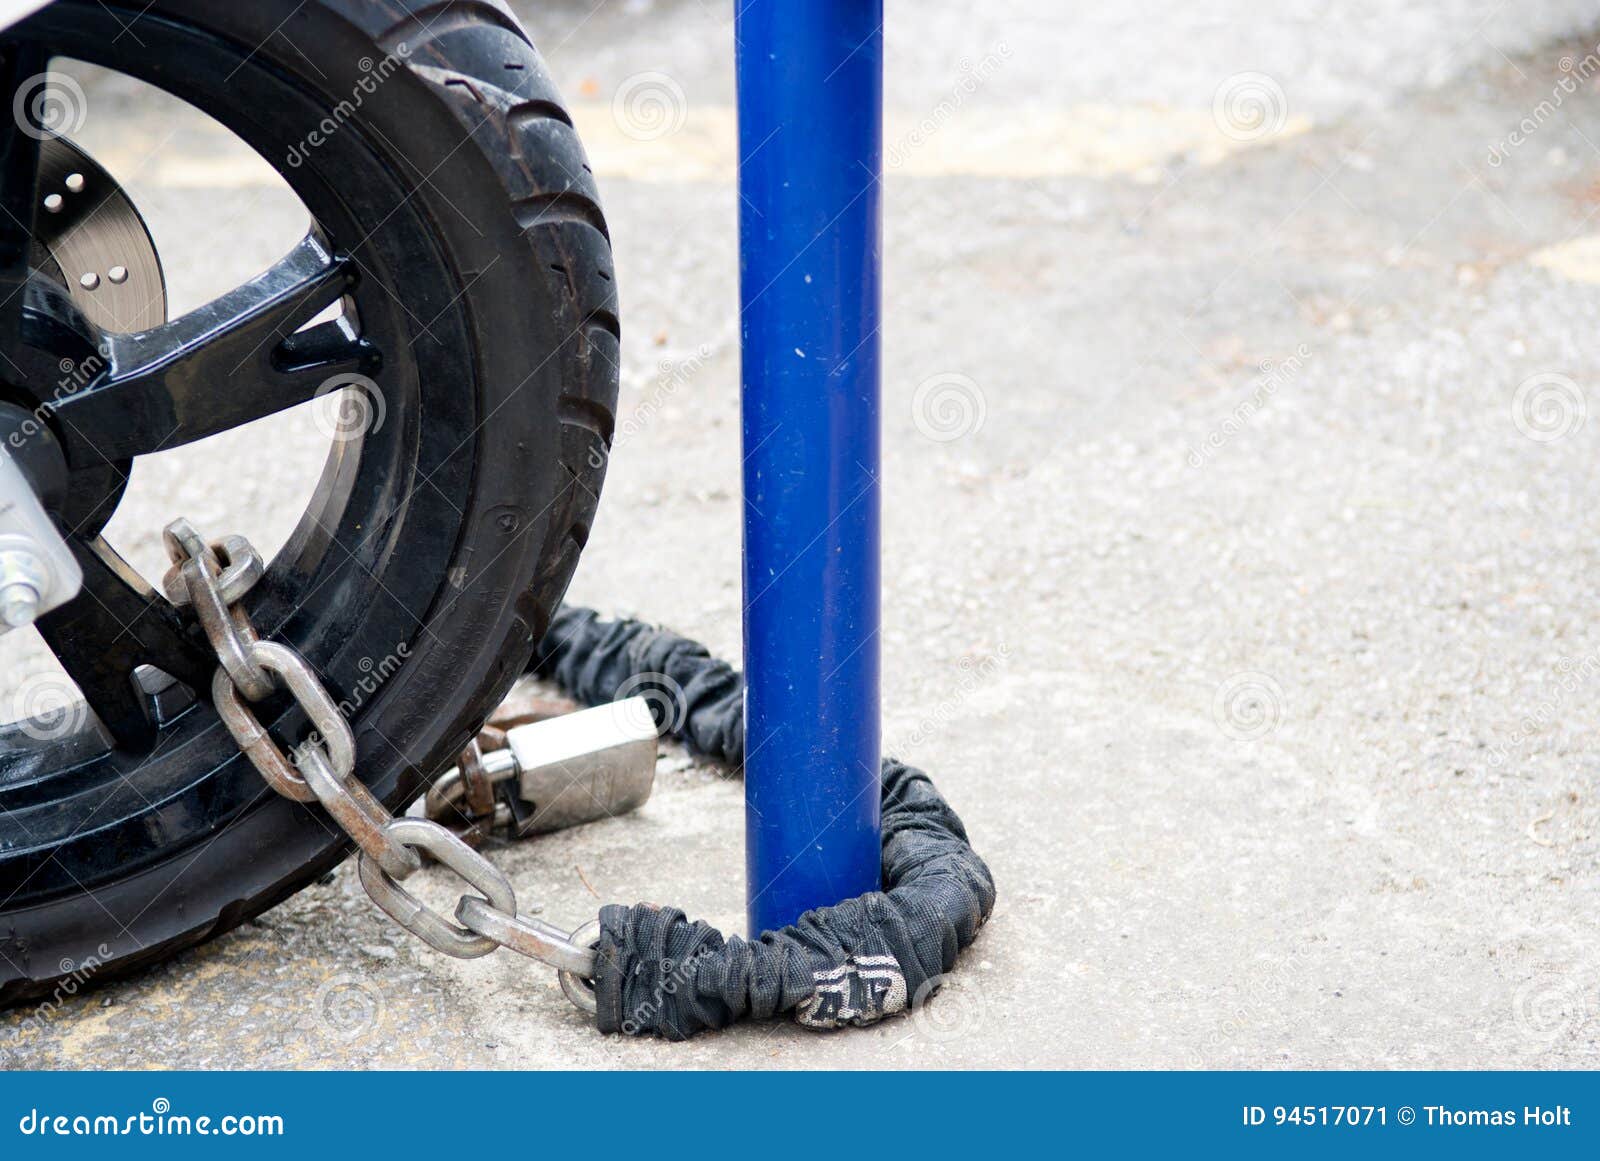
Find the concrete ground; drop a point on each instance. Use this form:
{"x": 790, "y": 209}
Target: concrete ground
{"x": 1240, "y": 564}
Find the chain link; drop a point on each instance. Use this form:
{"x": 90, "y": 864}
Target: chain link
{"x": 211, "y": 579}
{"x": 416, "y": 917}
{"x": 227, "y": 626}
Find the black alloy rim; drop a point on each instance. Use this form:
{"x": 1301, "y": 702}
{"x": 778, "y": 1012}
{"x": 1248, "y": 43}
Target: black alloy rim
{"x": 355, "y": 582}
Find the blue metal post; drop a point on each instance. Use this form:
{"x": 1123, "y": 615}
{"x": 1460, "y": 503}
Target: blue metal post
{"x": 810, "y": 76}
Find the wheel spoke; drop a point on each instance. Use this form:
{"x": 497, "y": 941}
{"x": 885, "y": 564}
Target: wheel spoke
{"x": 22, "y": 64}
{"x": 116, "y": 624}
{"x": 237, "y": 359}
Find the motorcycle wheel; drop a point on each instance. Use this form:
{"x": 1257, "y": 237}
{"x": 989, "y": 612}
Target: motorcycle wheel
{"x": 457, "y": 225}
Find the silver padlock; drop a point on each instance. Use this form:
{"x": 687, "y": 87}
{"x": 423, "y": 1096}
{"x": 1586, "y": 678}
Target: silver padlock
{"x": 585, "y": 766}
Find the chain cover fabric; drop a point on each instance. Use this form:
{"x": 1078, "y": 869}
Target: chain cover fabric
{"x": 661, "y": 974}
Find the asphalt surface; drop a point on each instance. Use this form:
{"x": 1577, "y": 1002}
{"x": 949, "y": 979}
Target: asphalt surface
{"x": 1239, "y": 545}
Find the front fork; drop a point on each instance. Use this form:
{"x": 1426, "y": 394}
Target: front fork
{"x": 37, "y": 569}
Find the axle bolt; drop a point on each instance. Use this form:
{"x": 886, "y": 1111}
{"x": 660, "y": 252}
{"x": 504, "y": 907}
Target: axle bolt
{"x": 23, "y": 579}
{"x": 19, "y": 604}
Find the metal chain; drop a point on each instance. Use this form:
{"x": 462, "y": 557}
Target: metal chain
{"x": 212, "y": 579}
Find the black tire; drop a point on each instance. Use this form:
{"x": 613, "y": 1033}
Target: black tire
{"x": 472, "y": 128}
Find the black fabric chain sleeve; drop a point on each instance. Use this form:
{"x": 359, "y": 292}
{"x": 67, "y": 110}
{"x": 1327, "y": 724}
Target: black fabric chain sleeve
{"x": 852, "y": 963}
{"x": 696, "y": 698}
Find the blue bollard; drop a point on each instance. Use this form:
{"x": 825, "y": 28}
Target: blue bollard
{"x": 810, "y": 80}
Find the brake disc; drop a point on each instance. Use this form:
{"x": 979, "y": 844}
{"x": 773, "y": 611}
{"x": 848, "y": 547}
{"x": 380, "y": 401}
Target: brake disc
{"x": 88, "y": 235}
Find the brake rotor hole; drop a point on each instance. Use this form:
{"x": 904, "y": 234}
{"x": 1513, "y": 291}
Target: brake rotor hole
{"x": 54, "y": 202}
{"x": 89, "y": 281}
{"x": 118, "y": 274}
{"x": 75, "y": 182}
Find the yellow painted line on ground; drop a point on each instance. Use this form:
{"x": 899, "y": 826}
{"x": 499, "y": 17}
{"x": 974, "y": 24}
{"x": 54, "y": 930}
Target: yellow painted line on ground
{"x": 1098, "y": 141}
{"x": 1135, "y": 142}
{"x": 1577, "y": 260}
